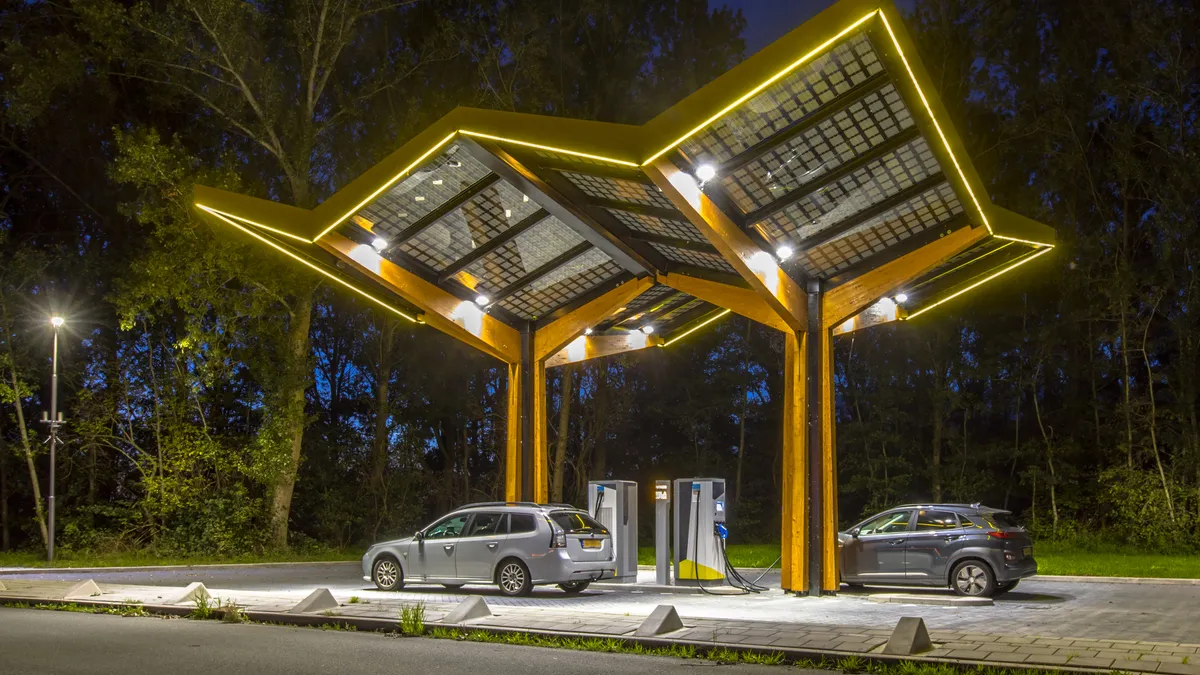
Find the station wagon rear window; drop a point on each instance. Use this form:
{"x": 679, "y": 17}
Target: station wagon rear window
{"x": 575, "y": 522}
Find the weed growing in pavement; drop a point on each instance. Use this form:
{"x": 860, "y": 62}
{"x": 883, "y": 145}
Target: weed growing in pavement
{"x": 116, "y": 610}
{"x": 339, "y": 626}
{"x": 772, "y": 659}
{"x": 412, "y": 619}
{"x": 851, "y": 664}
{"x": 233, "y": 613}
{"x": 204, "y": 609}
{"x": 354, "y": 600}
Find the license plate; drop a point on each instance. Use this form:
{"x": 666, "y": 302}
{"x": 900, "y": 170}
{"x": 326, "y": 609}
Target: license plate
{"x": 1027, "y": 551}
{"x": 592, "y": 543}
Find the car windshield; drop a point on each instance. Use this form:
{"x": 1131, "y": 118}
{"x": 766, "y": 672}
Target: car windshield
{"x": 577, "y": 522}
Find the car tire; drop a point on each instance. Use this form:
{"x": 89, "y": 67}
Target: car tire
{"x": 512, "y": 576}
{"x": 453, "y": 587}
{"x": 387, "y": 574}
{"x": 854, "y": 585}
{"x": 574, "y": 587}
{"x": 1006, "y": 586}
{"x": 973, "y": 578}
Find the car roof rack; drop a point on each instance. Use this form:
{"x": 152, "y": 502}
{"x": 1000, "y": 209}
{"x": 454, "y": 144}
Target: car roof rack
{"x": 477, "y": 504}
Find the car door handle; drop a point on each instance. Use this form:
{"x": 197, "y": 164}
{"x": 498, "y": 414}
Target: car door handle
{"x": 897, "y": 542}
{"x": 953, "y": 537}
{"x": 448, "y": 547}
{"x": 492, "y": 545}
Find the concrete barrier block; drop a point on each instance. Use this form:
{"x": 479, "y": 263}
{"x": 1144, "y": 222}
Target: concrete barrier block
{"x": 664, "y": 619}
{"x": 83, "y": 589}
{"x": 472, "y": 608}
{"x": 194, "y": 591}
{"x": 317, "y": 601}
{"x": 910, "y": 637}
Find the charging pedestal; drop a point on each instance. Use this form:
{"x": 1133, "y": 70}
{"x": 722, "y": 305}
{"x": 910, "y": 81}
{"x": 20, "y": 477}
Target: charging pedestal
{"x": 614, "y": 504}
{"x": 662, "y": 532}
{"x": 699, "y": 506}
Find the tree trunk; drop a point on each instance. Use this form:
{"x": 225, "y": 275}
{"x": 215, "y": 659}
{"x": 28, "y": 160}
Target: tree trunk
{"x": 383, "y": 383}
{"x": 564, "y": 433}
{"x": 1154, "y": 414}
{"x": 293, "y": 398}
{"x": 1124, "y": 329}
{"x": 5, "y": 541}
{"x": 938, "y": 424}
{"x": 1049, "y": 459}
{"x": 1092, "y": 381}
{"x": 741, "y": 454}
{"x": 23, "y": 432}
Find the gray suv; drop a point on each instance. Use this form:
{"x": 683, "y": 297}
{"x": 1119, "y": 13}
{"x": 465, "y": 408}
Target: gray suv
{"x": 973, "y": 549}
{"x": 515, "y": 545}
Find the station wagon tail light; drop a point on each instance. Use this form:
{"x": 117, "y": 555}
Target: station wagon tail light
{"x": 559, "y": 538}
{"x": 1003, "y": 535}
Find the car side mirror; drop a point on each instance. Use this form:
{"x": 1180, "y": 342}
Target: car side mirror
{"x": 419, "y": 535}
{"x": 854, "y": 533}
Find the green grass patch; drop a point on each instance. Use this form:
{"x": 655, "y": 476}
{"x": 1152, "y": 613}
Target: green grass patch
{"x": 149, "y": 559}
{"x": 1053, "y": 558}
{"x": 120, "y": 610}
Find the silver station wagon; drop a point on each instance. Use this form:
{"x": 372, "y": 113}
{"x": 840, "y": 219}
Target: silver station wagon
{"x": 515, "y": 545}
{"x": 975, "y": 550}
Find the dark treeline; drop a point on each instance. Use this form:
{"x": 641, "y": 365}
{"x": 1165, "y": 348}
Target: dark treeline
{"x": 221, "y": 400}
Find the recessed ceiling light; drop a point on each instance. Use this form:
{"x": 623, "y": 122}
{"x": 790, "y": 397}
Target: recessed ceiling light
{"x": 706, "y": 172}
{"x": 647, "y": 329}
{"x": 379, "y": 244}
{"x": 783, "y": 252}
{"x": 454, "y": 164}
{"x": 481, "y": 300}
{"x": 901, "y": 298}
{"x": 587, "y": 331}
{"x": 508, "y": 213}
{"x": 524, "y": 198}
{"x": 418, "y": 198}
{"x": 438, "y": 181}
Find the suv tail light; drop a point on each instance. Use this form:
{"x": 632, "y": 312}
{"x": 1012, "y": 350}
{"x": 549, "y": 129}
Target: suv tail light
{"x": 999, "y": 534}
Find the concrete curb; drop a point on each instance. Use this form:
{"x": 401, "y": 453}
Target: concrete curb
{"x": 18, "y": 571}
{"x": 1117, "y": 580}
{"x": 701, "y": 647}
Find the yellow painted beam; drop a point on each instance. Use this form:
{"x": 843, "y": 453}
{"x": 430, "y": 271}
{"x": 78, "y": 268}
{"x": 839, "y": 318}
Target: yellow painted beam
{"x": 512, "y": 446}
{"x": 794, "y": 535}
{"x": 758, "y": 267}
{"x": 829, "y": 498}
{"x": 855, "y": 295}
{"x": 741, "y": 301}
{"x": 587, "y": 347}
{"x": 460, "y": 319}
{"x": 556, "y": 335}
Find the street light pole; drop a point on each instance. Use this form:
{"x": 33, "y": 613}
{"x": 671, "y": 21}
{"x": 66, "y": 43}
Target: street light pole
{"x": 54, "y": 421}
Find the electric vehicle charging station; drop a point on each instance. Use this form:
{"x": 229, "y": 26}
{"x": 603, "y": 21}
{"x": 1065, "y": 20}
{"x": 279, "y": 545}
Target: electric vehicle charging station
{"x": 699, "y": 511}
{"x": 614, "y": 504}
{"x": 662, "y": 532}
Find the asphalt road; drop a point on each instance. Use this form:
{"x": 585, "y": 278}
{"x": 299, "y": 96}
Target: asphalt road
{"x": 37, "y": 641}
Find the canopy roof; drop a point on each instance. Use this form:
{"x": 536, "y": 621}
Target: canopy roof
{"x": 829, "y": 150}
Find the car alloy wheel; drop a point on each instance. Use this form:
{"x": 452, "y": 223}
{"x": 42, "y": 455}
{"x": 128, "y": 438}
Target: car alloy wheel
{"x": 514, "y": 579}
{"x": 387, "y": 574}
{"x": 972, "y": 579}
{"x": 574, "y": 586}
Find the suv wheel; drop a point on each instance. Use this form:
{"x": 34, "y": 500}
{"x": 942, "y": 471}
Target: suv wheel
{"x": 513, "y": 578}
{"x": 574, "y": 586}
{"x": 973, "y": 578}
{"x": 386, "y": 574}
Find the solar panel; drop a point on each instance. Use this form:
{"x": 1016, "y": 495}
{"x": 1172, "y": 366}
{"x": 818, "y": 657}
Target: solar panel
{"x": 574, "y": 278}
{"x": 525, "y": 253}
{"x": 478, "y": 220}
{"x": 628, "y": 191}
{"x": 710, "y": 261}
{"x": 666, "y": 227}
{"x": 426, "y": 188}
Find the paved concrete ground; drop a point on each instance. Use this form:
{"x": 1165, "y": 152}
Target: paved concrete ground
{"x": 1147, "y": 612}
{"x": 33, "y": 641}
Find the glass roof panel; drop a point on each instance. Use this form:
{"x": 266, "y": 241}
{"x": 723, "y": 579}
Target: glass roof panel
{"x": 804, "y": 159}
{"x": 479, "y": 219}
{"x": 856, "y": 192}
{"x": 933, "y": 207}
{"x": 665, "y": 227}
{"x": 710, "y": 261}
{"x": 631, "y": 192}
{"x": 790, "y": 99}
{"x": 525, "y": 253}
{"x": 422, "y": 191}
{"x": 578, "y": 276}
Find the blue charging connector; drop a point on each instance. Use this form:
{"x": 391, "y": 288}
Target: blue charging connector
{"x": 722, "y": 531}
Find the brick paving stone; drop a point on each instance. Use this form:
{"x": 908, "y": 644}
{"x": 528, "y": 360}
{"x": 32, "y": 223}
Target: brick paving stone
{"x": 1051, "y": 659}
{"x": 971, "y": 654}
{"x": 1035, "y": 649}
{"x": 1126, "y": 664}
{"x": 1091, "y": 663}
{"x": 1179, "y": 668}
{"x": 1006, "y": 657}
{"x": 1076, "y": 652}
{"x": 1116, "y": 654}
{"x": 1163, "y": 658}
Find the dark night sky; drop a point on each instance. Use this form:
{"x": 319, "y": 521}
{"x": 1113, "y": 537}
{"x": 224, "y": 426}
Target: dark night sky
{"x": 768, "y": 20}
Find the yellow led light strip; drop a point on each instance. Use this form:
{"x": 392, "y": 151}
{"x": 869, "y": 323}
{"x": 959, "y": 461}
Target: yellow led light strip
{"x": 693, "y": 329}
{"x": 956, "y": 268}
{"x": 311, "y": 265}
{"x": 254, "y": 224}
{"x": 912, "y": 76}
{"x": 388, "y": 184}
{"x": 1020, "y": 261}
{"x": 550, "y": 148}
{"x": 745, "y": 97}
{"x": 1022, "y": 241}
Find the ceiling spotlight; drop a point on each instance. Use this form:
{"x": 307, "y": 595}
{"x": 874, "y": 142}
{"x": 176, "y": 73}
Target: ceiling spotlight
{"x": 647, "y": 329}
{"x": 706, "y": 172}
{"x": 783, "y": 252}
{"x": 419, "y": 198}
{"x": 587, "y": 331}
{"x": 454, "y": 164}
{"x": 900, "y": 298}
{"x": 481, "y": 300}
{"x": 437, "y": 181}
{"x": 57, "y": 321}
{"x": 379, "y": 244}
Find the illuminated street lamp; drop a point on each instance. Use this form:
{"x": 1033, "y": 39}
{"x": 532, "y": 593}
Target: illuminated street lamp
{"x": 54, "y": 420}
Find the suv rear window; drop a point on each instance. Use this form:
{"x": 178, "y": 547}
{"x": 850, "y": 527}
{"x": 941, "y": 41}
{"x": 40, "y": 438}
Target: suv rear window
{"x": 577, "y": 522}
{"x": 521, "y": 522}
{"x": 1000, "y": 521}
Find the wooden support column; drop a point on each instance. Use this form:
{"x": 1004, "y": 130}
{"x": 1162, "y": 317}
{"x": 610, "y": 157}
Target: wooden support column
{"x": 794, "y": 560}
{"x": 534, "y": 456}
{"x": 512, "y": 447}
